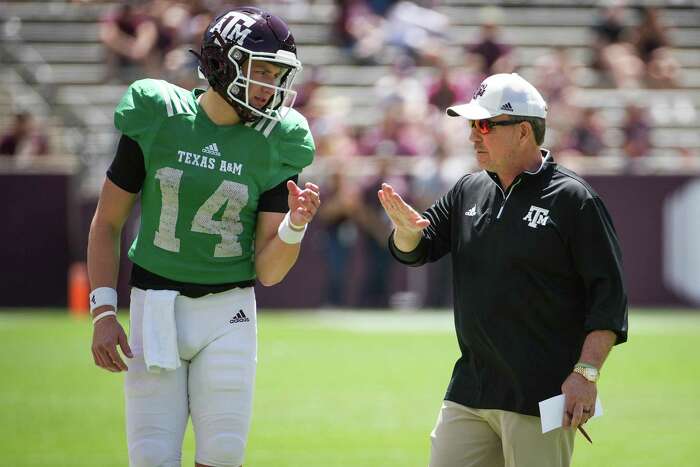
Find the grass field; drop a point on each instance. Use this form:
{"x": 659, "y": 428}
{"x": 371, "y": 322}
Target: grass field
{"x": 340, "y": 389}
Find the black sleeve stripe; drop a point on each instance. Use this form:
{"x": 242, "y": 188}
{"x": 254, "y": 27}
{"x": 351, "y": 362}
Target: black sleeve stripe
{"x": 275, "y": 199}
{"x": 128, "y": 169}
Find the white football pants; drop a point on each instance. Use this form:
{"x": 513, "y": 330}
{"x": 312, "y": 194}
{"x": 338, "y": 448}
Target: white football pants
{"x": 216, "y": 337}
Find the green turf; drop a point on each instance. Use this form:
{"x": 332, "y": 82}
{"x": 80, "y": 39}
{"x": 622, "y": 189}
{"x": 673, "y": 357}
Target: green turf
{"x": 343, "y": 389}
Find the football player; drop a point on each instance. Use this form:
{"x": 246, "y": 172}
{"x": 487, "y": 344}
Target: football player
{"x": 216, "y": 171}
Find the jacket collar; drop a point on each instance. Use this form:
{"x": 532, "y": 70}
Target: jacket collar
{"x": 545, "y": 166}
{"x": 547, "y": 160}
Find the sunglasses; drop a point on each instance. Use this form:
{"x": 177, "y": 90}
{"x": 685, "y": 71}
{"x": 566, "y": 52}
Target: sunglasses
{"x": 484, "y": 126}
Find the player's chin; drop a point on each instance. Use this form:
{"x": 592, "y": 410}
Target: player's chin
{"x": 259, "y": 103}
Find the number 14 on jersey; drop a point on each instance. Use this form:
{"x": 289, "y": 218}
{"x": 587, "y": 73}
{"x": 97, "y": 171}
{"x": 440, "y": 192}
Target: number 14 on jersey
{"x": 233, "y": 194}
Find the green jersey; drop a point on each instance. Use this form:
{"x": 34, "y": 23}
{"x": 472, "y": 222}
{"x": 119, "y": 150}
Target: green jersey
{"x": 199, "y": 201}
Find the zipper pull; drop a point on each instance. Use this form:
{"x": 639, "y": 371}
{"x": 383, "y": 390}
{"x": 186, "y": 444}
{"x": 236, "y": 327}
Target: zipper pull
{"x": 501, "y": 210}
{"x": 506, "y": 196}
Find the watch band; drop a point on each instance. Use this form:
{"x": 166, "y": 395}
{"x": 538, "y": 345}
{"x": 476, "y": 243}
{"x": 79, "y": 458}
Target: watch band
{"x": 587, "y": 371}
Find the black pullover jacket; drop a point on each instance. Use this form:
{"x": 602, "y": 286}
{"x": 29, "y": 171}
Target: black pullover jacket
{"x": 535, "y": 269}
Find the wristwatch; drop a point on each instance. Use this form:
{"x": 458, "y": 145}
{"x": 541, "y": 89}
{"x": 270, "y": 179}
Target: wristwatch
{"x": 587, "y": 371}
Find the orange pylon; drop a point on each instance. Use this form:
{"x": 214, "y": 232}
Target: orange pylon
{"x": 78, "y": 290}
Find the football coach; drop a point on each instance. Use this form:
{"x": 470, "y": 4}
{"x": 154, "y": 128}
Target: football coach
{"x": 539, "y": 298}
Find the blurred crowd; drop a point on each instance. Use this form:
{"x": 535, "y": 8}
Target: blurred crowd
{"x": 24, "y": 141}
{"x": 412, "y": 40}
{"x": 397, "y": 128}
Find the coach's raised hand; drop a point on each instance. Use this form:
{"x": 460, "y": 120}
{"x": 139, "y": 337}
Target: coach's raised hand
{"x": 408, "y": 223}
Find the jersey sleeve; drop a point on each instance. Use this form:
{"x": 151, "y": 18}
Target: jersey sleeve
{"x": 137, "y": 111}
{"x": 275, "y": 199}
{"x": 127, "y": 170}
{"x": 598, "y": 259}
{"x": 295, "y": 150}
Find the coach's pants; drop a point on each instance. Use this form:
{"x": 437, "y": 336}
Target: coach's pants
{"x": 465, "y": 437}
{"x": 216, "y": 337}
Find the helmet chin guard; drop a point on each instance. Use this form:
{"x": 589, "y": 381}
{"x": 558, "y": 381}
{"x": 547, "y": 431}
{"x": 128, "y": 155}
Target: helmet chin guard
{"x": 234, "y": 44}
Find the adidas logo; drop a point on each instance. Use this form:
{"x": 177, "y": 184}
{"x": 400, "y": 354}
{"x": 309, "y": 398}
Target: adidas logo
{"x": 239, "y": 318}
{"x": 507, "y": 107}
{"x": 212, "y": 150}
{"x": 471, "y": 212}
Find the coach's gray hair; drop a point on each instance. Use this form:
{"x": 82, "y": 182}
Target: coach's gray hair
{"x": 538, "y": 127}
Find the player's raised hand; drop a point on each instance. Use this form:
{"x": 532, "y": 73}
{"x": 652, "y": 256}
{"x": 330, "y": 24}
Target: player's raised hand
{"x": 303, "y": 204}
{"x": 400, "y": 212}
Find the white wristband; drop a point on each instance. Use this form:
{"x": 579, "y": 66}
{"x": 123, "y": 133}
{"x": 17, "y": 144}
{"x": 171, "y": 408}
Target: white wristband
{"x": 102, "y": 296}
{"x": 287, "y": 233}
{"x": 104, "y": 314}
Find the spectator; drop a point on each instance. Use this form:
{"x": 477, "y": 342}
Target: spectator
{"x": 417, "y": 31}
{"x": 381, "y": 7}
{"x": 636, "y": 131}
{"x": 130, "y": 38}
{"x": 360, "y": 30}
{"x": 23, "y": 139}
{"x": 587, "y": 136}
{"x": 446, "y": 88}
{"x": 608, "y": 27}
{"x": 663, "y": 70}
{"x": 433, "y": 179}
{"x": 555, "y": 74}
{"x": 327, "y": 116}
{"x": 392, "y": 136}
{"x": 653, "y": 45}
{"x": 374, "y": 227}
{"x": 334, "y": 139}
{"x": 340, "y": 234}
{"x": 650, "y": 34}
{"x": 492, "y": 54}
{"x": 307, "y": 90}
{"x": 171, "y": 20}
{"x": 613, "y": 57}
{"x": 401, "y": 87}
{"x": 621, "y": 65}
{"x": 180, "y": 65}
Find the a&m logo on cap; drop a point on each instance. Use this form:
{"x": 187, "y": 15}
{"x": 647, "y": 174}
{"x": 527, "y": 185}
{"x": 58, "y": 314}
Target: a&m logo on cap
{"x": 480, "y": 91}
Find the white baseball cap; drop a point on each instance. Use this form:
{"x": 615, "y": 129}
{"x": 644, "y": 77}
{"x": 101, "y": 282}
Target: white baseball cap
{"x": 502, "y": 94}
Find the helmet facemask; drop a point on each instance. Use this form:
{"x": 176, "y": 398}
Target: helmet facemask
{"x": 238, "y": 91}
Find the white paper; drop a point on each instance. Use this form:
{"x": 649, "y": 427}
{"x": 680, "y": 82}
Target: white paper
{"x": 552, "y": 412}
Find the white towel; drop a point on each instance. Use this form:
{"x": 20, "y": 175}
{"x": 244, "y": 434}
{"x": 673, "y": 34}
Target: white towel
{"x": 160, "y": 331}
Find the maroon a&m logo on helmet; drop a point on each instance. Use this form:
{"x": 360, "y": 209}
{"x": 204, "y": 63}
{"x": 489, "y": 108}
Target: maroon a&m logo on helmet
{"x": 480, "y": 91}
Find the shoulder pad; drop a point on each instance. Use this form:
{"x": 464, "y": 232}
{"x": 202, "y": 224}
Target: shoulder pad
{"x": 296, "y": 144}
